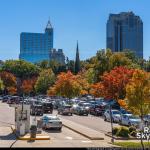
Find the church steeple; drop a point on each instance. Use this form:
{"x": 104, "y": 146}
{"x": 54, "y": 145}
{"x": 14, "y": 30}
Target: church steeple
{"x": 77, "y": 61}
{"x": 48, "y": 26}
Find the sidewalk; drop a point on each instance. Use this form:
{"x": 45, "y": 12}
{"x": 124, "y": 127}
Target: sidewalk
{"x": 85, "y": 131}
{"x": 6, "y": 136}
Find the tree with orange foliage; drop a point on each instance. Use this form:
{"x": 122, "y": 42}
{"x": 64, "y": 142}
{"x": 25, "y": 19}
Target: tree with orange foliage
{"x": 12, "y": 90}
{"x": 9, "y": 81}
{"x": 28, "y": 85}
{"x": 68, "y": 85}
{"x": 115, "y": 82}
{"x": 97, "y": 89}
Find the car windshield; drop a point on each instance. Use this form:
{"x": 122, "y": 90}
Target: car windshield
{"x": 50, "y": 118}
{"x": 86, "y": 104}
{"x": 55, "y": 118}
{"x": 68, "y": 106}
{"x": 116, "y": 113}
{"x": 134, "y": 117}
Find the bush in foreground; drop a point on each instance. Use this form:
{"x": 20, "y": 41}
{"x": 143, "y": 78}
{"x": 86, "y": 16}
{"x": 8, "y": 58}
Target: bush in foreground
{"x": 123, "y": 132}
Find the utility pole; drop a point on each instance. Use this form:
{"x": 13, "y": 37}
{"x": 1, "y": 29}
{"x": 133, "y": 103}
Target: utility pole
{"x": 112, "y": 139}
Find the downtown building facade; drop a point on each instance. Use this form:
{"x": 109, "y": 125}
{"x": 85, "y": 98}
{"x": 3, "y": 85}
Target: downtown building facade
{"x": 36, "y": 47}
{"x": 57, "y": 55}
{"x": 125, "y": 32}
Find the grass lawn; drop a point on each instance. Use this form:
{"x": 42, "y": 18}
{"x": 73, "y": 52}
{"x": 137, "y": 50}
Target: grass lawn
{"x": 132, "y": 144}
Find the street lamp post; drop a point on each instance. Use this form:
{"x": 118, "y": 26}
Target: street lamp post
{"x": 112, "y": 139}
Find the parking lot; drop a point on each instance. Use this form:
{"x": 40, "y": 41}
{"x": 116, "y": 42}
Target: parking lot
{"x": 65, "y": 138}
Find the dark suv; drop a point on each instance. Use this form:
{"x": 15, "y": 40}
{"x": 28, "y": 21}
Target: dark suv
{"x": 65, "y": 110}
{"x": 47, "y": 107}
{"x": 36, "y": 110}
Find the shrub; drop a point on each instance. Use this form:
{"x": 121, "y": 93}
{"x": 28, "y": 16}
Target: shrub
{"x": 132, "y": 128}
{"x": 133, "y": 133}
{"x": 123, "y": 132}
{"x": 115, "y": 130}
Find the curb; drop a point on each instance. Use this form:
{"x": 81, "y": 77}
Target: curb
{"x": 120, "y": 138}
{"x": 32, "y": 139}
{"x": 85, "y": 135}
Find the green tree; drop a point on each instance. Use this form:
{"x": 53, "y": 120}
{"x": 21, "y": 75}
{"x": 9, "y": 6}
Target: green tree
{"x": 57, "y": 67}
{"x": 43, "y": 64}
{"x": 101, "y": 64}
{"x": 1, "y": 85}
{"x": 119, "y": 59}
{"x": 22, "y": 70}
{"x": 44, "y": 81}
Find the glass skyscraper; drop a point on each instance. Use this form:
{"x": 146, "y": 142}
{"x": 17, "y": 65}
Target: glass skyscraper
{"x": 125, "y": 31}
{"x": 35, "y": 47}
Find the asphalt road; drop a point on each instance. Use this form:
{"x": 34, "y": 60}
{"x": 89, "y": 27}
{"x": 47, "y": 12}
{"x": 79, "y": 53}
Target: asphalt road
{"x": 94, "y": 122}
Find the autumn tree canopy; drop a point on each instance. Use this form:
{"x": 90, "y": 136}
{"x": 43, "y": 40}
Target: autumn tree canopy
{"x": 114, "y": 83}
{"x": 138, "y": 93}
{"x": 68, "y": 85}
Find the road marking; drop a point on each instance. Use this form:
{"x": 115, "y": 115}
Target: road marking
{"x": 69, "y": 138}
{"x": 86, "y": 141}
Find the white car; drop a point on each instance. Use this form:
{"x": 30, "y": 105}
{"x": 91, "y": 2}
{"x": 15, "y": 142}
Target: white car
{"x": 116, "y": 115}
{"x": 130, "y": 120}
{"x": 50, "y": 121}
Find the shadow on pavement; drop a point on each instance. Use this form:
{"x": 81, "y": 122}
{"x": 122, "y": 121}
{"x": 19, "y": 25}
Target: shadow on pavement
{"x": 52, "y": 131}
{"x": 10, "y": 136}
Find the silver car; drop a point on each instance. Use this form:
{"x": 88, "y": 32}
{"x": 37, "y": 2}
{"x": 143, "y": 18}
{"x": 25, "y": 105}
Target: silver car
{"x": 116, "y": 115}
{"x": 130, "y": 120}
{"x": 50, "y": 122}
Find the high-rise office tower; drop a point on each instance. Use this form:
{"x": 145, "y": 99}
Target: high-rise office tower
{"x": 125, "y": 31}
{"x": 35, "y": 47}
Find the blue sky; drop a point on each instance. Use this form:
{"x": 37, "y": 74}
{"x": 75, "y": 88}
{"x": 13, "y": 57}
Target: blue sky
{"x": 82, "y": 20}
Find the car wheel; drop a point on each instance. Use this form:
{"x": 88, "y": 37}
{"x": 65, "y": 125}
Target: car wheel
{"x": 59, "y": 129}
{"x": 71, "y": 114}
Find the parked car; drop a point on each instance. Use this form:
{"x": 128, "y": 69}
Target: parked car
{"x": 96, "y": 110}
{"x": 130, "y": 120}
{"x": 65, "y": 110}
{"x": 1, "y": 98}
{"x": 85, "y": 105}
{"x": 123, "y": 111}
{"x": 47, "y": 107}
{"x": 6, "y": 98}
{"x": 14, "y": 100}
{"x": 51, "y": 122}
{"x": 116, "y": 115}
{"x": 36, "y": 110}
{"x": 147, "y": 120}
{"x": 113, "y": 103}
{"x": 80, "y": 110}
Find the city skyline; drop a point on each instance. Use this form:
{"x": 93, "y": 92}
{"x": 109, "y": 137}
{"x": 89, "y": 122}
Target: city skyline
{"x": 83, "y": 21}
